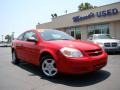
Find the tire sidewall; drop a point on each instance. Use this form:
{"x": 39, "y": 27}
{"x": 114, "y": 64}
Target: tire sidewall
{"x": 42, "y": 60}
{"x": 16, "y": 60}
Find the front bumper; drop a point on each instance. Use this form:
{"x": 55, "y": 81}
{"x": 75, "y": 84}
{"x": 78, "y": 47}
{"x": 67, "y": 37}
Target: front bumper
{"x": 82, "y": 65}
{"x": 112, "y": 49}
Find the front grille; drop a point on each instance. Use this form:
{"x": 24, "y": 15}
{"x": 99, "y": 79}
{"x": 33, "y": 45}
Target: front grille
{"x": 95, "y": 52}
{"x": 107, "y": 44}
{"x": 114, "y": 44}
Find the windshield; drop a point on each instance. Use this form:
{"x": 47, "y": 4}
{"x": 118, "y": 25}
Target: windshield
{"x": 55, "y": 35}
{"x": 102, "y": 37}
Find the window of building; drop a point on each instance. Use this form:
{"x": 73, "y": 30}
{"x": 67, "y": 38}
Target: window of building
{"x": 77, "y": 33}
{"x": 98, "y": 29}
{"x": 74, "y": 32}
{"x": 71, "y": 31}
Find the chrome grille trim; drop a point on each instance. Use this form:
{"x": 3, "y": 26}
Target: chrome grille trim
{"x": 94, "y": 52}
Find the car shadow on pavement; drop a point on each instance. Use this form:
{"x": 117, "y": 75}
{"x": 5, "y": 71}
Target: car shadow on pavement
{"x": 82, "y": 80}
{"x": 69, "y": 80}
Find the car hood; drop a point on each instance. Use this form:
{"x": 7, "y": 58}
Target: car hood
{"x": 105, "y": 40}
{"x": 81, "y": 45}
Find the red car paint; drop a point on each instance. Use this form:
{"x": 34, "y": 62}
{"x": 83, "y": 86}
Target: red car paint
{"x": 91, "y": 61}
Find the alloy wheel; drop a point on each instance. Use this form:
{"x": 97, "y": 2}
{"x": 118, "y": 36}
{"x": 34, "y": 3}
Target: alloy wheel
{"x": 49, "y": 67}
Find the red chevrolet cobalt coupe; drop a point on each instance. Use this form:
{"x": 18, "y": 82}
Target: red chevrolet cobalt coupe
{"x": 57, "y": 52}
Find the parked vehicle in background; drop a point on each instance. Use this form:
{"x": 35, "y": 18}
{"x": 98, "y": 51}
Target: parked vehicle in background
{"x": 4, "y": 44}
{"x": 57, "y": 52}
{"x": 105, "y": 41}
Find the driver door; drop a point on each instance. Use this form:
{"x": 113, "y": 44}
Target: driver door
{"x": 31, "y": 49}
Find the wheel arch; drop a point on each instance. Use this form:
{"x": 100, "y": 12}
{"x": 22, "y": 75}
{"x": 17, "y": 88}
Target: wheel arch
{"x": 49, "y": 53}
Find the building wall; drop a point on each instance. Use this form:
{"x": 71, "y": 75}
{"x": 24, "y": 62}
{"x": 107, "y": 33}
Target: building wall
{"x": 66, "y": 21}
{"x": 114, "y": 29}
{"x": 117, "y": 29}
{"x": 83, "y": 30}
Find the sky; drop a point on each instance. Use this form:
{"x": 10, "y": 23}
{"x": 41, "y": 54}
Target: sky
{"x": 21, "y": 15}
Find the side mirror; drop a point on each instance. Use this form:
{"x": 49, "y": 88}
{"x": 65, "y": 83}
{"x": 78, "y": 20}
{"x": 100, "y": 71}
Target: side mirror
{"x": 32, "y": 39}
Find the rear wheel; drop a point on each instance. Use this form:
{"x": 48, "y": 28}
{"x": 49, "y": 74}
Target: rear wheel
{"x": 15, "y": 60}
{"x": 48, "y": 67}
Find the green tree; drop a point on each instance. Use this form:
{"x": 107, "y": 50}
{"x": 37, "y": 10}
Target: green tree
{"x": 8, "y": 38}
{"x": 54, "y": 15}
{"x": 85, "y": 6}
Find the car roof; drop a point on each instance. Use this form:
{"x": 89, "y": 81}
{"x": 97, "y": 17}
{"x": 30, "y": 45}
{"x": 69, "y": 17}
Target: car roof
{"x": 40, "y": 30}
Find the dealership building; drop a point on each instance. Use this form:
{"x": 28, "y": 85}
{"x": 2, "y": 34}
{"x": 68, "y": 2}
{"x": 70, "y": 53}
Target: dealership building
{"x": 82, "y": 24}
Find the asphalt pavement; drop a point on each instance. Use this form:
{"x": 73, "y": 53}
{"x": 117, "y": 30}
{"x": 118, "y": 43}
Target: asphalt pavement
{"x": 28, "y": 77}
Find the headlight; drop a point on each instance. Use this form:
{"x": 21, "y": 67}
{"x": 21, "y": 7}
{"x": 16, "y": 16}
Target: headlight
{"x": 71, "y": 52}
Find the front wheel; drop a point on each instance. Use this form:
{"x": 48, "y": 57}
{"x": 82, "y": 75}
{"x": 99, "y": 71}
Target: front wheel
{"x": 14, "y": 58}
{"x": 48, "y": 67}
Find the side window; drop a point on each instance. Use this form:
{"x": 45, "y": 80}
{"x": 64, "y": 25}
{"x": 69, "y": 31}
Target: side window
{"x": 29, "y": 34}
{"x": 20, "y": 37}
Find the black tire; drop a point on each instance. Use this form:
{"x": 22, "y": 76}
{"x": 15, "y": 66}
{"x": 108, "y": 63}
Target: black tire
{"x": 48, "y": 67}
{"x": 15, "y": 60}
